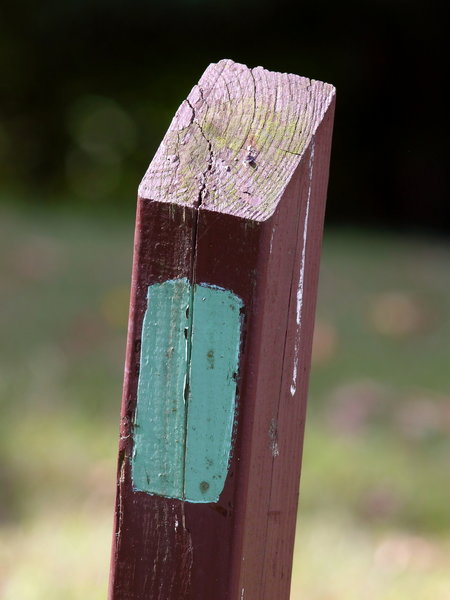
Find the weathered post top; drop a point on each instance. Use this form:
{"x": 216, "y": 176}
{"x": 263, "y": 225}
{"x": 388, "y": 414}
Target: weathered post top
{"x": 226, "y": 260}
{"x": 235, "y": 142}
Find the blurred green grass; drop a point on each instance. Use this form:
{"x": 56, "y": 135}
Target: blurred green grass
{"x": 374, "y": 518}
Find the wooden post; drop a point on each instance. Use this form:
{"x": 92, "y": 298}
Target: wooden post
{"x": 227, "y": 245}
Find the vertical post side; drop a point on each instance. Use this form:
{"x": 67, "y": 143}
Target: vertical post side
{"x": 145, "y": 525}
{"x": 290, "y": 420}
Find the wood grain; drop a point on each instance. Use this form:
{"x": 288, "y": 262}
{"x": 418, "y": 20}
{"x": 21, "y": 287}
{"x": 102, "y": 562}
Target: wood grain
{"x": 234, "y": 198}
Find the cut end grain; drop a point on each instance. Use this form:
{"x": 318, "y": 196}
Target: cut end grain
{"x": 236, "y": 140}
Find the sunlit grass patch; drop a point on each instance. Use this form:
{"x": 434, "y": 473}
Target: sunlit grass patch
{"x": 337, "y": 558}
{"x": 61, "y": 554}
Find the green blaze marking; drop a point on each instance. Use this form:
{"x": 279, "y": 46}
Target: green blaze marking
{"x": 211, "y": 407}
{"x": 186, "y": 392}
{"x": 159, "y": 428}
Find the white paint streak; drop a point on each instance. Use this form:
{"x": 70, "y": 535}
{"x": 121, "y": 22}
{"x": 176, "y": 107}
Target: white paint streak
{"x": 271, "y": 240}
{"x": 242, "y": 593}
{"x": 294, "y": 372}
{"x": 301, "y": 280}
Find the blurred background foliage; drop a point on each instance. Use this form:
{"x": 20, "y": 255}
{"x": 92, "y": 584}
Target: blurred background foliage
{"x": 87, "y": 91}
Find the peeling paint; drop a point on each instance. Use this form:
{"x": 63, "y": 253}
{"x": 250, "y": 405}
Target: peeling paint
{"x": 273, "y": 437}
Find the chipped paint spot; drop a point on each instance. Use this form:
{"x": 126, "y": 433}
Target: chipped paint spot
{"x": 273, "y": 437}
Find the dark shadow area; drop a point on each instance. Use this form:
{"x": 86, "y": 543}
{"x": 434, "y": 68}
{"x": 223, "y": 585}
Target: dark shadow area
{"x": 90, "y": 88}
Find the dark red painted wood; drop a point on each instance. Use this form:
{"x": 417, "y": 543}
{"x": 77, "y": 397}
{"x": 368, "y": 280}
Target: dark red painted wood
{"x": 241, "y": 547}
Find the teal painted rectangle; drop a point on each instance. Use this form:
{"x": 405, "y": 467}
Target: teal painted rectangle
{"x": 159, "y": 423}
{"x": 186, "y": 392}
{"x": 216, "y": 336}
